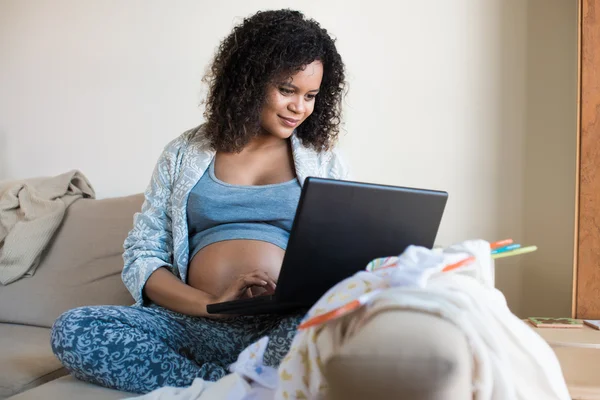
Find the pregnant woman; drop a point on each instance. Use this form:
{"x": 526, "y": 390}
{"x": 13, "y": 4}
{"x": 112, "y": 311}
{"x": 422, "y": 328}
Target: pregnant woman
{"x": 217, "y": 215}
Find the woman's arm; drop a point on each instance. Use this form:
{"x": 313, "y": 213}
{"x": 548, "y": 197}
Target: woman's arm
{"x": 149, "y": 245}
{"x": 168, "y": 291}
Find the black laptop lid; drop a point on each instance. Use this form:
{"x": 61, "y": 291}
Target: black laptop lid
{"x": 340, "y": 226}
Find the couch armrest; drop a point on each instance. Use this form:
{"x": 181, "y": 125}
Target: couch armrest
{"x": 402, "y": 354}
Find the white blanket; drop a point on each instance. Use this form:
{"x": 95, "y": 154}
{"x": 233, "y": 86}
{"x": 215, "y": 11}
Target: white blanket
{"x": 30, "y": 212}
{"x": 511, "y": 361}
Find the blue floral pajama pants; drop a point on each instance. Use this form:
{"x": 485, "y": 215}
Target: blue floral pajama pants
{"x": 139, "y": 349}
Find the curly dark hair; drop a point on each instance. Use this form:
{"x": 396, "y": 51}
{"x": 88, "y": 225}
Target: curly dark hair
{"x": 263, "y": 48}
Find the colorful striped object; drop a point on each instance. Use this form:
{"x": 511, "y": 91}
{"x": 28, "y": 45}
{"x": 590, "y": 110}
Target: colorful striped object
{"x": 506, "y": 248}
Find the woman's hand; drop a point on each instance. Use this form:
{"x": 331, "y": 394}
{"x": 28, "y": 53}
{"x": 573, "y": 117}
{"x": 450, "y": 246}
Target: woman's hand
{"x": 244, "y": 285}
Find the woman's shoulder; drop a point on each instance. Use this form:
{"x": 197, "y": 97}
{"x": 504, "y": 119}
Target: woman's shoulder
{"x": 192, "y": 139}
{"x": 188, "y": 151}
{"x": 336, "y": 165}
{"x": 328, "y": 163}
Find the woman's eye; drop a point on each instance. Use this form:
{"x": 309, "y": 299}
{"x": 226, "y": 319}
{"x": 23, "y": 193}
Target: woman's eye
{"x": 286, "y": 91}
{"x": 311, "y": 96}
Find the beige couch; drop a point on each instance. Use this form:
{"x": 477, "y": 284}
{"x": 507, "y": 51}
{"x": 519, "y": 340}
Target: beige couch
{"x": 398, "y": 355}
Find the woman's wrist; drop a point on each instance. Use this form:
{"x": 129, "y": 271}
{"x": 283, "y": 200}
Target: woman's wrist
{"x": 203, "y": 299}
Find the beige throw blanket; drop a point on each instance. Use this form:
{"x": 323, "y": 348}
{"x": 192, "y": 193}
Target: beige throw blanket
{"x": 30, "y": 212}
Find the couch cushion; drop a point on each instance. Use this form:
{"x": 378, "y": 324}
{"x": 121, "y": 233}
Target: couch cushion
{"x": 70, "y": 388}
{"x": 81, "y": 266}
{"x": 402, "y": 354}
{"x": 26, "y": 359}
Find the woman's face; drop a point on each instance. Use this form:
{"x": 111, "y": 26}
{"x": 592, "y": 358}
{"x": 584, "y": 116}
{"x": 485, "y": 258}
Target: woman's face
{"x": 289, "y": 103}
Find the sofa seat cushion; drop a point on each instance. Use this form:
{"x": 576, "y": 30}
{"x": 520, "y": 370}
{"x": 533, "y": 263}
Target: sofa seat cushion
{"x": 26, "y": 359}
{"x": 68, "y": 387}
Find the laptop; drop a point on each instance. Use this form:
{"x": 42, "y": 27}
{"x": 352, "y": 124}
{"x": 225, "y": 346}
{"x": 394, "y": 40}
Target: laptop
{"x": 339, "y": 227}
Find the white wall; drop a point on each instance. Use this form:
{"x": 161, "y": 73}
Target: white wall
{"x": 437, "y": 95}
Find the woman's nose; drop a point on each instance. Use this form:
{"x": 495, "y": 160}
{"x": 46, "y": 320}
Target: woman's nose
{"x": 297, "y": 105}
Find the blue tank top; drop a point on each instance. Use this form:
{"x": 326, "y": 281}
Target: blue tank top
{"x": 219, "y": 211}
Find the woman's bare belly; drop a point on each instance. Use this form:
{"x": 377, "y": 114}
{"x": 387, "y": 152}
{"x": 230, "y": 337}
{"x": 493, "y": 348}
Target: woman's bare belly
{"x": 215, "y": 267}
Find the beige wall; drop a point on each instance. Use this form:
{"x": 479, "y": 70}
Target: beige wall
{"x": 438, "y": 98}
{"x": 550, "y": 150}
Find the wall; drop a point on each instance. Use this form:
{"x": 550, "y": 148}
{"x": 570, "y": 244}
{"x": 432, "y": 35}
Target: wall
{"x": 438, "y": 96}
{"x": 550, "y": 152}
